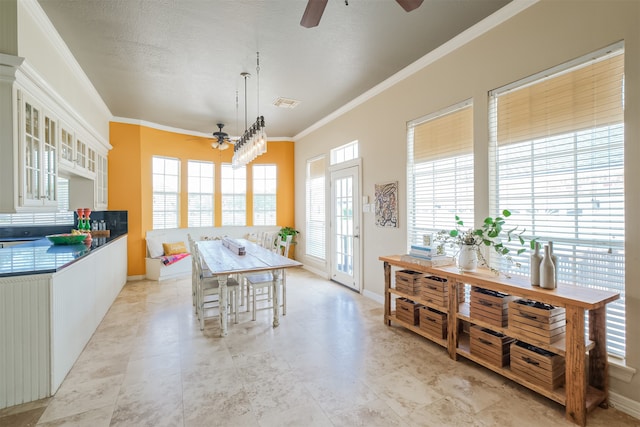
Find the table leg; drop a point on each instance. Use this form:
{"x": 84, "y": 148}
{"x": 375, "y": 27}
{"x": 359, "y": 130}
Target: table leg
{"x": 575, "y": 378}
{"x": 387, "y": 295}
{"x": 598, "y": 363}
{"x": 222, "y": 281}
{"x": 277, "y": 280}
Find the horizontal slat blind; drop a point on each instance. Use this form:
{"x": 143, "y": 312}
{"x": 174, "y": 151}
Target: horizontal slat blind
{"x": 200, "y": 192}
{"x": 315, "y": 201}
{"x": 233, "y": 183}
{"x": 166, "y": 188}
{"x": 440, "y": 171}
{"x": 558, "y": 146}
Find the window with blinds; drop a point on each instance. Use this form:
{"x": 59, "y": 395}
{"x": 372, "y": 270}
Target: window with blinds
{"x": 233, "y": 183}
{"x": 166, "y": 192}
{"x": 200, "y": 189}
{"x": 439, "y": 171}
{"x": 264, "y": 194}
{"x": 315, "y": 201}
{"x": 557, "y": 150}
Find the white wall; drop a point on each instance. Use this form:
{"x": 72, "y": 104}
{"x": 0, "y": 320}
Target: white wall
{"x": 46, "y": 53}
{"x": 546, "y": 34}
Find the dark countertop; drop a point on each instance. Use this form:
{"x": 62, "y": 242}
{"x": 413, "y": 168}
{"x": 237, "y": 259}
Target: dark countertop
{"x": 41, "y": 256}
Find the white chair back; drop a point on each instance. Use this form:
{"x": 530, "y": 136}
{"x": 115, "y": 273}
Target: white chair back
{"x": 284, "y": 245}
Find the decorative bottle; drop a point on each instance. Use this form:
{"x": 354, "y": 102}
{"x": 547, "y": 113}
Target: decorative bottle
{"x": 554, "y": 259}
{"x": 547, "y": 270}
{"x": 534, "y": 265}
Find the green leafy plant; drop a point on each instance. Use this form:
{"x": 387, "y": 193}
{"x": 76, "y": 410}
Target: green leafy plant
{"x": 287, "y": 231}
{"x": 491, "y": 234}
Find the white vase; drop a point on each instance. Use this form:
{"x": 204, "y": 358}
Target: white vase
{"x": 547, "y": 270}
{"x": 554, "y": 260}
{"x": 534, "y": 266}
{"x": 468, "y": 258}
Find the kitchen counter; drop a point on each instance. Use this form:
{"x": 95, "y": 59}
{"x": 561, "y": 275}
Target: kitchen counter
{"x": 52, "y": 299}
{"x": 41, "y": 256}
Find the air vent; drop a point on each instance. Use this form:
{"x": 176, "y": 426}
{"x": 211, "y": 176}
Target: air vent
{"x": 286, "y": 103}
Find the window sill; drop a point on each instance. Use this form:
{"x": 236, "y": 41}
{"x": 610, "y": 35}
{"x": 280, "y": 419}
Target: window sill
{"x": 619, "y": 370}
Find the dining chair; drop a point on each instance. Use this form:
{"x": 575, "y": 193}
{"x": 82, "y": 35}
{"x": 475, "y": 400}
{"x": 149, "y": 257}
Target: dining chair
{"x": 194, "y": 270}
{"x": 207, "y": 286}
{"x": 264, "y": 281}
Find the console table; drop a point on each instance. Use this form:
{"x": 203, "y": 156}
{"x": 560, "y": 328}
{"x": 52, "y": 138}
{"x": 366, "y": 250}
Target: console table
{"x": 585, "y": 386}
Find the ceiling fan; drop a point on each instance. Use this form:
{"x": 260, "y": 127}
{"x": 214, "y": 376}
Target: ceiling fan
{"x": 315, "y": 9}
{"x": 221, "y": 139}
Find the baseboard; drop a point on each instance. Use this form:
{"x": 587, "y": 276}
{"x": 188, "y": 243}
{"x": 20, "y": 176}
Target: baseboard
{"x": 371, "y": 295}
{"x": 624, "y": 404}
{"x": 316, "y": 271}
{"x": 135, "y": 278}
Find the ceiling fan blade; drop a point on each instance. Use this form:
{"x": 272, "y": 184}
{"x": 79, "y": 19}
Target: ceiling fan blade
{"x": 409, "y": 5}
{"x": 313, "y": 13}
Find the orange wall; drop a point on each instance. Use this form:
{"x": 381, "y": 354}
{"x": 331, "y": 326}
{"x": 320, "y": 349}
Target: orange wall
{"x": 130, "y": 184}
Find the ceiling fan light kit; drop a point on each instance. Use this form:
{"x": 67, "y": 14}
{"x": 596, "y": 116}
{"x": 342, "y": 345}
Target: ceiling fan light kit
{"x": 253, "y": 141}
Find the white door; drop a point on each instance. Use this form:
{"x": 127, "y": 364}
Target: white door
{"x": 345, "y": 227}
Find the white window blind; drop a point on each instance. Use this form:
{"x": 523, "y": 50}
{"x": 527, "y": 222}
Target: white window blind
{"x": 62, "y": 217}
{"x": 557, "y": 144}
{"x": 200, "y": 188}
{"x": 166, "y": 192}
{"x": 233, "y": 182}
{"x": 264, "y": 194}
{"x": 439, "y": 171}
{"x": 315, "y": 209}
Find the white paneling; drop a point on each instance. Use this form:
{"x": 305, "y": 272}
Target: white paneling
{"x": 24, "y": 334}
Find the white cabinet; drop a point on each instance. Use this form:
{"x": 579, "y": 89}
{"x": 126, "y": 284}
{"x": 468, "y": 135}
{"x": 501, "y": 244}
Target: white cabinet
{"x": 38, "y": 155}
{"x": 102, "y": 193}
{"x": 51, "y": 317}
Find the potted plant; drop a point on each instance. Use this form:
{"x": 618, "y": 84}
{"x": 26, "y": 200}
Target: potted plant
{"x": 491, "y": 234}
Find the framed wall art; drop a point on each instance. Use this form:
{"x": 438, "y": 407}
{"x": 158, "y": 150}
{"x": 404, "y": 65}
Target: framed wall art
{"x": 386, "y": 195}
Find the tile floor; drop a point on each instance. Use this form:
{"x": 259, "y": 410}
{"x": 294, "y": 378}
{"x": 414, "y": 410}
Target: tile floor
{"x": 331, "y": 362}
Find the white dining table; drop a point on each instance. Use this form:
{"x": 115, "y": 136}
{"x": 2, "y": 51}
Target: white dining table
{"x": 222, "y": 262}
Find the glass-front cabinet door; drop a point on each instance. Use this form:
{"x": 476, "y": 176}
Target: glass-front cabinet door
{"x": 32, "y": 151}
{"x": 91, "y": 160}
{"x": 81, "y": 153}
{"x": 39, "y": 161}
{"x": 66, "y": 145}
{"x": 50, "y": 162}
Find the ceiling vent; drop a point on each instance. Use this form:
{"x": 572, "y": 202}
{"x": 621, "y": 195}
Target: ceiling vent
{"x": 286, "y": 103}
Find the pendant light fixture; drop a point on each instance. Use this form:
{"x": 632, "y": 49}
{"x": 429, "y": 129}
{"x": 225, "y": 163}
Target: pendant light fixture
{"x": 253, "y": 142}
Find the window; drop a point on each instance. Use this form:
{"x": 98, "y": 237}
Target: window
{"x": 200, "y": 185}
{"x": 315, "y": 201}
{"x": 557, "y": 146}
{"x": 264, "y": 194}
{"x": 440, "y": 171}
{"x": 234, "y": 195}
{"x": 166, "y": 187}
{"x": 344, "y": 153}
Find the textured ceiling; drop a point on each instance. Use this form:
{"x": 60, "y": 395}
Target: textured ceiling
{"x": 178, "y": 62}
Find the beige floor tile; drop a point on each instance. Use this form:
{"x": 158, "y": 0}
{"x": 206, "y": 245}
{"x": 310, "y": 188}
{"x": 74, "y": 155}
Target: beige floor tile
{"x": 77, "y": 397}
{"x": 100, "y": 417}
{"x": 331, "y": 362}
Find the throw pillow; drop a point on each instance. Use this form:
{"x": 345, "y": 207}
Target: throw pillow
{"x": 155, "y": 247}
{"x": 174, "y": 248}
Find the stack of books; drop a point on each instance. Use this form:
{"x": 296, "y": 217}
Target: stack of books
{"x": 427, "y": 256}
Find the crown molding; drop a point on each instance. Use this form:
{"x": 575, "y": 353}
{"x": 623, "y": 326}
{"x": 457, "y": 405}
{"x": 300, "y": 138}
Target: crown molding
{"x": 158, "y": 126}
{"x": 487, "y": 24}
